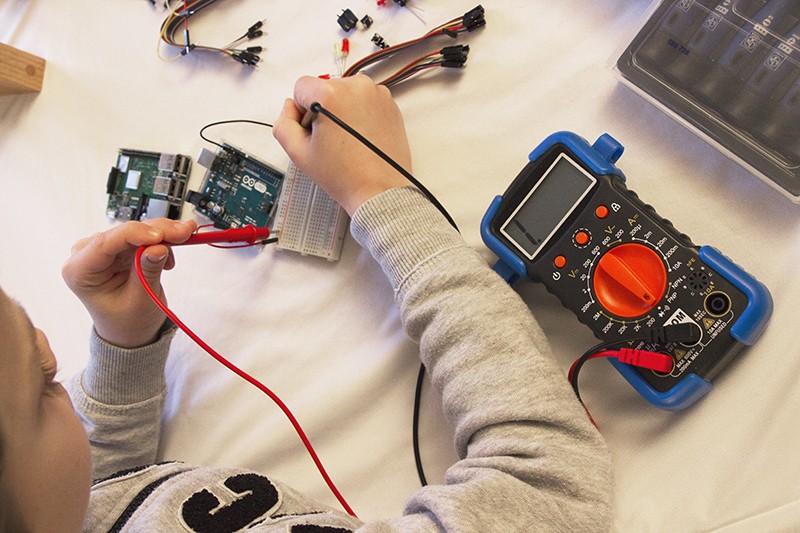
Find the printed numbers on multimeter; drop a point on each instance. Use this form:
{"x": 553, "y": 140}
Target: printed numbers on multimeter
{"x": 569, "y": 221}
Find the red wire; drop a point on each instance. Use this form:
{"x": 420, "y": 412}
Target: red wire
{"x": 247, "y": 377}
{"x": 604, "y": 353}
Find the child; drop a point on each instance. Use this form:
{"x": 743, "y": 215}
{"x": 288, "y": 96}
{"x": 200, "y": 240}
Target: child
{"x": 530, "y": 459}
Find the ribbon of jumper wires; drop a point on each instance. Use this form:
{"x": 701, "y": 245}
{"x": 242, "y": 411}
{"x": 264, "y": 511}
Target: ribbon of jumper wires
{"x": 177, "y": 23}
{"x": 450, "y": 56}
{"x": 251, "y": 236}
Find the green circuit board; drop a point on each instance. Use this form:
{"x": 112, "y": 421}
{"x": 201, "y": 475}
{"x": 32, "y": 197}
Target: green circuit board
{"x": 237, "y": 189}
{"x": 145, "y": 185}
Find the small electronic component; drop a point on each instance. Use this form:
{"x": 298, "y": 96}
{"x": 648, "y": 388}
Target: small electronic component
{"x": 308, "y": 220}
{"x": 145, "y": 185}
{"x": 347, "y": 20}
{"x": 237, "y": 190}
{"x": 367, "y": 21}
{"x": 340, "y": 53}
{"x": 379, "y": 42}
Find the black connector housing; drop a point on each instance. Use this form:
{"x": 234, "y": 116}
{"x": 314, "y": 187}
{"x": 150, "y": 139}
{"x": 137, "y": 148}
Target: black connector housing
{"x": 474, "y": 18}
{"x": 455, "y": 52}
{"x": 113, "y": 176}
{"x": 455, "y": 56}
{"x": 686, "y": 333}
{"x": 347, "y": 20}
{"x": 247, "y": 58}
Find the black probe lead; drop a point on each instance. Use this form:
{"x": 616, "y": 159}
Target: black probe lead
{"x": 316, "y": 108}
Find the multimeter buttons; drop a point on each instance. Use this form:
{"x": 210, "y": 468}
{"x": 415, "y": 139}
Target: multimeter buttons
{"x": 629, "y": 280}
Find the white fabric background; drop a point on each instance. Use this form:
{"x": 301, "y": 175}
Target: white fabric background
{"x": 325, "y": 336}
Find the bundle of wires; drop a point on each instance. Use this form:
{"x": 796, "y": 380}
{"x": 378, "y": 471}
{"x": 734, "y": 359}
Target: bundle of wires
{"x": 177, "y": 23}
{"x": 451, "y": 56}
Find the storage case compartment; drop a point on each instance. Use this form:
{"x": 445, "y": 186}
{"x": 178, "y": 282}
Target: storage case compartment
{"x": 730, "y": 69}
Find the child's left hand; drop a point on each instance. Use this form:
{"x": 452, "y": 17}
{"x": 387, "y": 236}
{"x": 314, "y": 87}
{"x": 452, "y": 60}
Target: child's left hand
{"x": 102, "y": 275}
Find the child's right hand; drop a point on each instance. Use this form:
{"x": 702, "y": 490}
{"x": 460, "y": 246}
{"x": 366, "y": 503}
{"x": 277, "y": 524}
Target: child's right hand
{"x": 102, "y": 275}
{"x": 330, "y": 156}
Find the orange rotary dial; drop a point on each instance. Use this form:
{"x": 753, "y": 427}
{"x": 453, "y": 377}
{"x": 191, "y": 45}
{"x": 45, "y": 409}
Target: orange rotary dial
{"x": 630, "y": 280}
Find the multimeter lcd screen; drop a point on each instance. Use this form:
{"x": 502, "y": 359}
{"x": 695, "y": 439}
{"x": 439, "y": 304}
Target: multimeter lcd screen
{"x": 547, "y": 205}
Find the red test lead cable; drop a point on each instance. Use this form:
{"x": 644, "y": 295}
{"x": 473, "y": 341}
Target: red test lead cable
{"x": 656, "y": 361}
{"x": 251, "y": 235}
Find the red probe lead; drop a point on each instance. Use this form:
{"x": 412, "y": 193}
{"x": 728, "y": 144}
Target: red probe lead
{"x": 249, "y": 234}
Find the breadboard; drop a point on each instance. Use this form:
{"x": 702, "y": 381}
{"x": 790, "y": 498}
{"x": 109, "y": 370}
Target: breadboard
{"x": 308, "y": 220}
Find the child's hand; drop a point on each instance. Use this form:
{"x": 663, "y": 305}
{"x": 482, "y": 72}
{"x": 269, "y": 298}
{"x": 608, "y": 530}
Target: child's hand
{"x": 102, "y": 275}
{"x": 337, "y": 162}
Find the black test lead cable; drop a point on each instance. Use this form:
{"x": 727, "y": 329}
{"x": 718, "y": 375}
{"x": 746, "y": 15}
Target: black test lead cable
{"x": 315, "y": 109}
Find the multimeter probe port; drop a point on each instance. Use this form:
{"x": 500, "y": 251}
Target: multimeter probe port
{"x": 717, "y": 303}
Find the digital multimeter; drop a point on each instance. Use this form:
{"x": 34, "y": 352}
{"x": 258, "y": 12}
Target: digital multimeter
{"x": 568, "y": 221}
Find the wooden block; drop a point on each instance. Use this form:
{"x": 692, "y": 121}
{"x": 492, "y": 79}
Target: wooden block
{"x": 20, "y": 72}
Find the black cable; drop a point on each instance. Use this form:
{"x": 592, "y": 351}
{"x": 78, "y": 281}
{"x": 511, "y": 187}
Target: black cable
{"x": 317, "y": 108}
{"x": 587, "y": 355}
{"x": 415, "y": 425}
{"x": 233, "y": 121}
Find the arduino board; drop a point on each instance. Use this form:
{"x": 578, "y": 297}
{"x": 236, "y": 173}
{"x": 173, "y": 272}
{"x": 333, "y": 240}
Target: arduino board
{"x": 237, "y": 190}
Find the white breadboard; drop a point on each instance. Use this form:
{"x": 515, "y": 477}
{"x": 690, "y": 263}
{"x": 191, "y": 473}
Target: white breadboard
{"x": 308, "y": 220}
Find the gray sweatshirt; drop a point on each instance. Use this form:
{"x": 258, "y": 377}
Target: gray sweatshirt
{"x": 529, "y": 458}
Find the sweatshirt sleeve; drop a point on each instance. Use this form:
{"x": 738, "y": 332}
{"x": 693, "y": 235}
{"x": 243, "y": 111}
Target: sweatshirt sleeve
{"x": 529, "y": 458}
{"x": 119, "y": 397}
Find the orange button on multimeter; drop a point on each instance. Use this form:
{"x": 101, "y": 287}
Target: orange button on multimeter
{"x": 630, "y": 270}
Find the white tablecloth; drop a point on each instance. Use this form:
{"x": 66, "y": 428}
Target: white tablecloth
{"x": 326, "y": 336}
